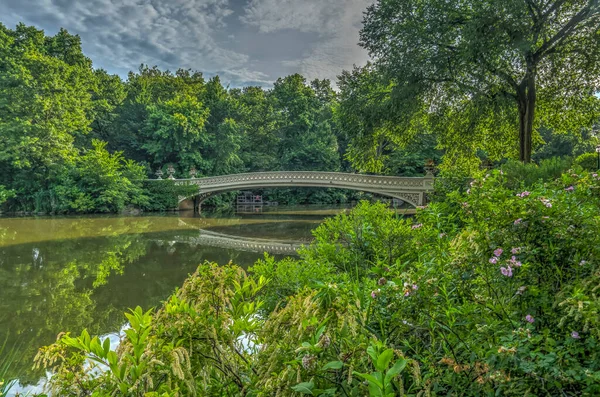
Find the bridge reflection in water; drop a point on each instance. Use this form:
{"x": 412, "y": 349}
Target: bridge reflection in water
{"x": 220, "y": 240}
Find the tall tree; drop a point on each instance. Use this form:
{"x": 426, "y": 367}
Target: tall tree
{"x": 487, "y": 70}
{"x": 45, "y": 102}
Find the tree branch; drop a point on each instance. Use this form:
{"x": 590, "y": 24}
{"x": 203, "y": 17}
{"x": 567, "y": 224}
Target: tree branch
{"x": 566, "y": 30}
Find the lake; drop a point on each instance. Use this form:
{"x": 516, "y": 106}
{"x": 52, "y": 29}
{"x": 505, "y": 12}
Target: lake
{"x": 69, "y": 273}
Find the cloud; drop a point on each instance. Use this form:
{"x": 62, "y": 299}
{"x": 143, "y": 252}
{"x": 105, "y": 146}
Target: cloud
{"x": 244, "y": 41}
{"x": 119, "y": 35}
{"x": 336, "y": 22}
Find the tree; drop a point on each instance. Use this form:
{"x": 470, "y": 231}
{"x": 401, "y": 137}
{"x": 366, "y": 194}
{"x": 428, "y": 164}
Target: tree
{"x": 45, "y": 102}
{"x": 481, "y": 70}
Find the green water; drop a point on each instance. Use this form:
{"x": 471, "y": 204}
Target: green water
{"x": 69, "y": 273}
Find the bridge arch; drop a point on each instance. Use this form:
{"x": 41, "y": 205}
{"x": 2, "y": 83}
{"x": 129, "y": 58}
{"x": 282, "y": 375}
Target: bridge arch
{"x": 410, "y": 189}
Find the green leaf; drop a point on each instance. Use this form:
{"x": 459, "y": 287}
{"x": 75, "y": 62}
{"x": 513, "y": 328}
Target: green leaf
{"x": 395, "y": 370}
{"x": 333, "y": 365}
{"x": 384, "y": 359}
{"x": 371, "y": 378}
{"x": 304, "y": 388}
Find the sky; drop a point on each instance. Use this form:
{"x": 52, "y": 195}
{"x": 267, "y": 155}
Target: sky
{"x": 245, "y": 42}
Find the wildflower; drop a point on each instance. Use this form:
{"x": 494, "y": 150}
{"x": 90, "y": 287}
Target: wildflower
{"x": 498, "y": 251}
{"x": 465, "y": 205}
{"x": 546, "y": 202}
{"x": 442, "y": 235}
{"x": 529, "y": 318}
{"x": 415, "y": 287}
{"x": 418, "y": 225}
{"x": 570, "y": 188}
{"x": 382, "y": 281}
{"x": 493, "y": 260}
{"x": 575, "y": 335}
{"x": 524, "y": 194}
{"x": 309, "y": 362}
{"x": 518, "y": 221}
{"x": 506, "y": 271}
{"x": 375, "y": 293}
{"x": 582, "y": 263}
{"x": 516, "y": 250}
{"x": 406, "y": 293}
{"x": 513, "y": 261}
{"x": 595, "y": 175}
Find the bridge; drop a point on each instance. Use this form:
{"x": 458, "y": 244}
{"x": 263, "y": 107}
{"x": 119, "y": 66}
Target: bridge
{"x": 412, "y": 190}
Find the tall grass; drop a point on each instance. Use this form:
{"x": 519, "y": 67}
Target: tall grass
{"x": 7, "y": 358}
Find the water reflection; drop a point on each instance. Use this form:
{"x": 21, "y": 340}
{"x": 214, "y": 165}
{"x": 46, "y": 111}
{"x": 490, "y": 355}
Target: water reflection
{"x": 66, "y": 274}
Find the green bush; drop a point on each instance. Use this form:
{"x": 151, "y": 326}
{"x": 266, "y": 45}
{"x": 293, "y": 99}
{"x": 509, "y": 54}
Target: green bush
{"x": 492, "y": 291}
{"x": 588, "y": 161}
{"x": 519, "y": 174}
{"x": 163, "y": 195}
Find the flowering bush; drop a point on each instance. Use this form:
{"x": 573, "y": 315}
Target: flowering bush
{"x": 492, "y": 291}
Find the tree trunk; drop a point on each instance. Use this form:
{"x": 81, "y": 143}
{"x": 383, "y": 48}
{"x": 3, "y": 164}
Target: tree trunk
{"x": 526, "y": 106}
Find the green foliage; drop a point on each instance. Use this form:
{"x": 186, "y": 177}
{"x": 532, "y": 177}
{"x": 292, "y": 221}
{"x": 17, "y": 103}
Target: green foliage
{"x": 588, "y": 161}
{"x": 100, "y": 182}
{"x": 481, "y": 75}
{"x": 492, "y": 290}
{"x": 163, "y": 195}
{"x": 7, "y": 357}
{"x": 517, "y": 173}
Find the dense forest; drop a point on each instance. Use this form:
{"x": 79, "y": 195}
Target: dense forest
{"x": 77, "y": 139}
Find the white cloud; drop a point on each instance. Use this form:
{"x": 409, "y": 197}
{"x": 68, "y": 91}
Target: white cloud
{"x": 336, "y": 22}
{"x": 122, "y": 34}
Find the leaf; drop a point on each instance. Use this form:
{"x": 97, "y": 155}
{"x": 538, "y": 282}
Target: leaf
{"x": 333, "y": 365}
{"x": 304, "y": 388}
{"x": 384, "y": 359}
{"x": 395, "y": 370}
{"x": 371, "y": 378}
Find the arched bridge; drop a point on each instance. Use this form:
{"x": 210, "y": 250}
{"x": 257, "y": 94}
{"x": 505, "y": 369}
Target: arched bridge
{"x": 413, "y": 190}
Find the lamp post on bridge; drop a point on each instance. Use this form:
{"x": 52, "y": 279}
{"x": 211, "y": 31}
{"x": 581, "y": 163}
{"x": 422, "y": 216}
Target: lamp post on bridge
{"x": 158, "y": 174}
{"x": 598, "y": 151}
{"x": 171, "y": 171}
{"x": 193, "y": 172}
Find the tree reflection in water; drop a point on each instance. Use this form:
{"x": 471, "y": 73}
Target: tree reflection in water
{"x": 73, "y": 273}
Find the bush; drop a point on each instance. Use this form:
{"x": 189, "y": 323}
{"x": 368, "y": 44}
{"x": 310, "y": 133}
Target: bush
{"x": 490, "y": 292}
{"x": 518, "y": 174}
{"x": 588, "y": 161}
{"x": 164, "y": 195}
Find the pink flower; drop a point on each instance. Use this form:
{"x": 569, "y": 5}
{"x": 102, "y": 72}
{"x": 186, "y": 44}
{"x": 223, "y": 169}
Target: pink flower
{"x": 374, "y": 294}
{"x": 513, "y": 261}
{"x": 529, "y": 318}
{"x": 493, "y": 260}
{"x": 517, "y": 221}
{"x": 406, "y": 293}
{"x": 418, "y": 225}
{"x": 498, "y": 251}
{"x": 506, "y": 271}
{"x": 595, "y": 175}
{"x": 575, "y": 335}
{"x": 516, "y": 250}
{"x": 570, "y": 188}
{"x": 415, "y": 287}
{"x": 524, "y": 194}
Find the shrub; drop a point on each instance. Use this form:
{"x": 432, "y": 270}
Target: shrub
{"x": 588, "y": 161}
{"x": 491, "y": 292}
